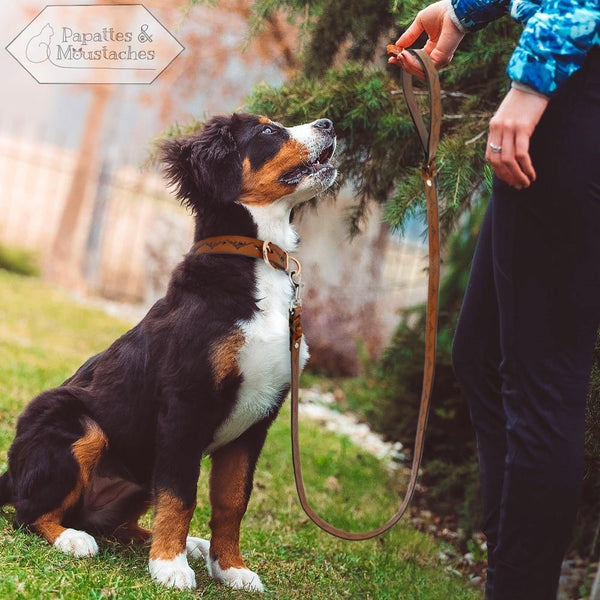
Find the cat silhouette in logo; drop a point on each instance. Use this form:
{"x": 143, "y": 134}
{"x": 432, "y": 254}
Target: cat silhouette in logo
{"x": 38, "y": 47}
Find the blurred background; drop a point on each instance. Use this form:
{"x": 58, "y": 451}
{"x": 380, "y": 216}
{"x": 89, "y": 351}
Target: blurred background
{"x": 83, "y": 207}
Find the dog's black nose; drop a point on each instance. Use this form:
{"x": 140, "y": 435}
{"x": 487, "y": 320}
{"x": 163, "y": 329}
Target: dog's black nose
{"x": 325, "y": 125}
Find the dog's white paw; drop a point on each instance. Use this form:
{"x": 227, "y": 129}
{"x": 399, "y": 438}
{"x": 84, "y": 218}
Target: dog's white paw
{"x": 197, "y": 548}
{"x": 238, "y": 579}
{"x": 174, "y": 573}
{"x": 76, "y": 543}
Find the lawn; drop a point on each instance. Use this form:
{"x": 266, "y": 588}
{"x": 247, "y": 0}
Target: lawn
{"x": 44, "y": 336}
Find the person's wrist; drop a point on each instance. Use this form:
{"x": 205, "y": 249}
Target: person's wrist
{"x": 525, "y": 103}
{"x": 521, "y": 87}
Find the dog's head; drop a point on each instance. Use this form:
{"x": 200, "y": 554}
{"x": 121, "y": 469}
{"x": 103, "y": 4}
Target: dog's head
{"x": 251, "y": 160}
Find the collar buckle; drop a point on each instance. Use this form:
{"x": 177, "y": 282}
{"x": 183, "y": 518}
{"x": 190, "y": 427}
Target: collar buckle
{"x": 266, "y": 248}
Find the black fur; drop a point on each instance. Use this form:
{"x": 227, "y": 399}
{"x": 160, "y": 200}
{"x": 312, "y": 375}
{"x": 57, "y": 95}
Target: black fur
{"x": 205, "y": 168}
{"x": 157, "y": 393}
{"x": 152, "y": 391}
{"x": 5, "y": 489}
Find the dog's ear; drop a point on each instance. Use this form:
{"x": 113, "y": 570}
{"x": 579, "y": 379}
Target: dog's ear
{"x": 205, "y": 167}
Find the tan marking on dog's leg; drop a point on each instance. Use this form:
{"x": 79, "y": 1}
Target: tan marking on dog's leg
{"x": 168, "y": 557}
{"x": 228, "y": 500}
{"x": 48, "y": 526}
{"x": 170, "y": 527}
{"x": 131, "y": 531}
{"x": 87, "y": 450}
{"x": 224, "y": 355}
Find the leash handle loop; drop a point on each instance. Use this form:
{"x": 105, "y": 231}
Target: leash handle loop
{"x": 428, "y": 137}
{"x": 429, "y": 140}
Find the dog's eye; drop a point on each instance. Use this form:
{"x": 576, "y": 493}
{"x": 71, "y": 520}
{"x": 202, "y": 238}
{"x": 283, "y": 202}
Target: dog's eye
{"x": 268, "y": 130}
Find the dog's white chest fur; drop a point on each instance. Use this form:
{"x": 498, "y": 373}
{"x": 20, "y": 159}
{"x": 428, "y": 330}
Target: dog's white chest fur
{"x": 264, "y": 359}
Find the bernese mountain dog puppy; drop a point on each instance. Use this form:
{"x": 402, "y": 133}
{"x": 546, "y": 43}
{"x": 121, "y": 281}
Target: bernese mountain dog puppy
{"x": 205, "y": 371}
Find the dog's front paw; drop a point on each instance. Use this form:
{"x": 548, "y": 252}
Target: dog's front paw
{"x": 76, "y": 543}
{"x": 197, "y": 548}
{"x": 173, "y": 573}
{"x": 238, "y": 579}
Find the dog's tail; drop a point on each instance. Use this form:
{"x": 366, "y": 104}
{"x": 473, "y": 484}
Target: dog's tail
{"x": 5, "y": 489}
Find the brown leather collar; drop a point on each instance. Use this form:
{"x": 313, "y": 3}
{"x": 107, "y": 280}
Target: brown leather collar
{"x": 272, "y": 254}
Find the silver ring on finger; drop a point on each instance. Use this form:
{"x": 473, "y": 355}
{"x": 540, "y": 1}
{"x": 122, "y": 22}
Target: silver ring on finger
{"x": 495, "y": 149}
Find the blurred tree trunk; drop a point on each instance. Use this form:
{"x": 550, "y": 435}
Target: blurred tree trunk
{"x": 345, "y": 289}
{"x": 92, "y": 256}
{"x": 63, "y": 264}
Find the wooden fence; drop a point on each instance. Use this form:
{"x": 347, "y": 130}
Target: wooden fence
{"x": 126, "y": 227}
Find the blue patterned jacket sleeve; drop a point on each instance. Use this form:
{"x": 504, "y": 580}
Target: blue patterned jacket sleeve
{"x": 475, "y": 14}
{"x": 558, "y": 35}
{"x": 554, "y": 43}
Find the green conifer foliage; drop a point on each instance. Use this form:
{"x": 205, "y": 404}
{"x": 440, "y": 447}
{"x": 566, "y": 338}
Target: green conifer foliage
{"x": 345, "y": 77}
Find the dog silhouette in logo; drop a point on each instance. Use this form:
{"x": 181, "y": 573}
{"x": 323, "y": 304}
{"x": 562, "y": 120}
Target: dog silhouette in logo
{"x": 38, "y": 47}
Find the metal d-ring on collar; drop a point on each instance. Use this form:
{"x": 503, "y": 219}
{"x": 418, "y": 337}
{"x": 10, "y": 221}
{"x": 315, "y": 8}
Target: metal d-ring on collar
{"x": 294, "y": 274}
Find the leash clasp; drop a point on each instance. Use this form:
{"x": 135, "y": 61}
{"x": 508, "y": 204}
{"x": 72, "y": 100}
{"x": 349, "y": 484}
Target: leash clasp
{"x": 294, "y": 275}
{"x": 297, "y": 299}
{"x": 296, "y": 279}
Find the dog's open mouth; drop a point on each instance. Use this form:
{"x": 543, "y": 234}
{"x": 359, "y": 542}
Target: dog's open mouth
{"x": 325, "y": 155}
{"x": 295, "y": 175}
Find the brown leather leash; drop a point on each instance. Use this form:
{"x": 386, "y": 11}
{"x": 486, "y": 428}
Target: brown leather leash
{"x": 279, "y": 259}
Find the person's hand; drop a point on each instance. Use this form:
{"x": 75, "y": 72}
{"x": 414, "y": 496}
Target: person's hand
{"x": 444, "y": 37}
{"x": 508, "y": 141}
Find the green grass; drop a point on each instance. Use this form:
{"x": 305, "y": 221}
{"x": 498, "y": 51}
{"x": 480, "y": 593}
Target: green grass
{"x": 19, "y": 260}
{"x": 44, "y": 337}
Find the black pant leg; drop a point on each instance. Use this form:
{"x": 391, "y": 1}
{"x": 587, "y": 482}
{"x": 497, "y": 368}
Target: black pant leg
{"x": 546, "y": 253}
{"x": 534, "y": 293}
{"x": 476, "y": 361}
